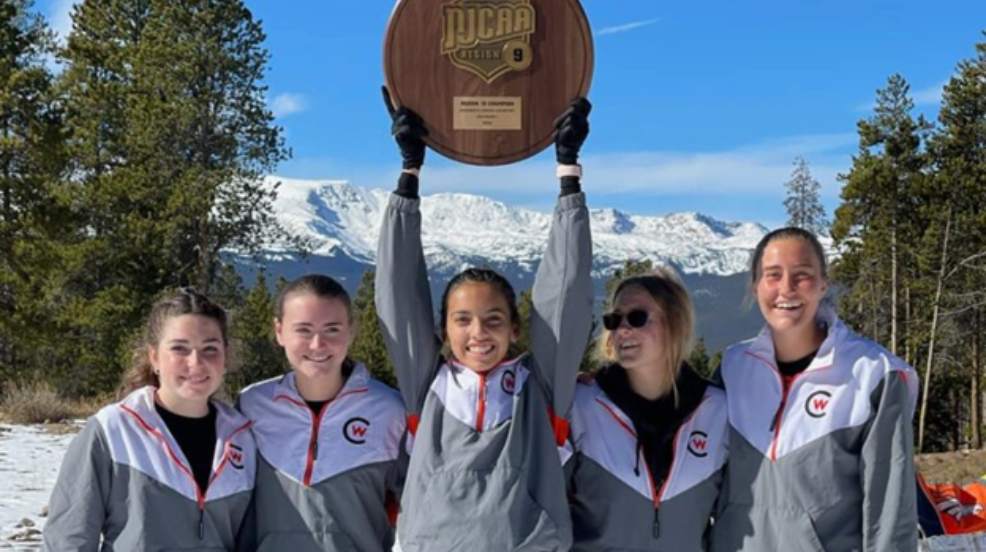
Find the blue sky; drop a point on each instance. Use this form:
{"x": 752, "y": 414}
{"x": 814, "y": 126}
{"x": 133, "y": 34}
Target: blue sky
{"x": 699, "y": 106}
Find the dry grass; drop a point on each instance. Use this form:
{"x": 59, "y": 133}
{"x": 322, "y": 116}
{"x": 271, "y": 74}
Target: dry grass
{"x": 39, "y": 403}
{"x": 952, "y": 467}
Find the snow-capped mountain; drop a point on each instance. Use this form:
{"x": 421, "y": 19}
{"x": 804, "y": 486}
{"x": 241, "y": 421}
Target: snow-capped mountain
{"x": 459, "y": 229}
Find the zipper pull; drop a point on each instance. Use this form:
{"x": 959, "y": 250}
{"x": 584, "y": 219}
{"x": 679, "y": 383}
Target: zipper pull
{"x": 201, "y": 523}
{"x": 777, "y": 417}
{"x": 657, "y": 524}
{"x": 315, "y": 448}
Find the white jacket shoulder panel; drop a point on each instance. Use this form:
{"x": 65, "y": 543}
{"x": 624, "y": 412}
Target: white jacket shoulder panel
{"x": 362, "y": 425}
{"x": 137, "y": 437}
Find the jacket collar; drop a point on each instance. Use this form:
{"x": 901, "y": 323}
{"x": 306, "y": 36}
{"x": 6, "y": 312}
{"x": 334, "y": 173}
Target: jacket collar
{"x": 763, "y": 345}
{"x": 140, "y": 403}
{"x": 357, "y": 382}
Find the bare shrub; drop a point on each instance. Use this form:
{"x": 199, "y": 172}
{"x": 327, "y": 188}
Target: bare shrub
{"x": 36, "y": 403}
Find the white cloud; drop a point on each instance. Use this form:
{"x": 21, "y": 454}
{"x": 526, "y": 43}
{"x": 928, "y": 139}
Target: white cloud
{"x": 627, "y": 27}
{"x": 287, "y": 104}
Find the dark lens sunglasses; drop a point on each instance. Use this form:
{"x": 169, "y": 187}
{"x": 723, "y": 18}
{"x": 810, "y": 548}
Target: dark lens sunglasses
{"x": 635, "y": 318}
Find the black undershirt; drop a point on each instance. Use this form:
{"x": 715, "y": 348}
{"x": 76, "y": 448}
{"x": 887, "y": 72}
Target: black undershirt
{"x": 795, "y": 367}
{"x": 197, "y": 439}
{"x": 347, "y": 370}
{"x": 656, "y": 422}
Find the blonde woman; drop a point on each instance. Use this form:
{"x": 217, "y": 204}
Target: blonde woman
{"x": 648, "y": 441}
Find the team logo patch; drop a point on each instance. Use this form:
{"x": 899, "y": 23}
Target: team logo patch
{"x": 489, "y": 38}
{"x": 698, "y": 442}
{"x": 355, "y": 430}
{"x": 818, "y": 403}
{"x": 235, "y": 456}
{"x": 509, "y": 382}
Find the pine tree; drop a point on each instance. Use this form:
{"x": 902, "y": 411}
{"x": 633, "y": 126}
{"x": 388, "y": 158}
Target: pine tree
{"x": 699, "y": 358}
{"x": 32, "y": 209}
{"x": 369, "y": 347}
{"x": 958, "y": 150}
{"x": 257, "y": 355}
{"x": 170, "y": 139}
{"x": 880, "y": 213}
{"x": 803, "y": 203}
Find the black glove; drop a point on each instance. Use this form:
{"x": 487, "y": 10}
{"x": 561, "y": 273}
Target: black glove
{"x": 571, "y": 130}
{"x": 409, "y": 132}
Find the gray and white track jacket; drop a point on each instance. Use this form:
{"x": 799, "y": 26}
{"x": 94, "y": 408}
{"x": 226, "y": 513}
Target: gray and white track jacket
{"x": 823, "y": 463}
{"x": 323, "y": 480}
{"x": 485, "y": 473}
{"x": 617, "y": 504}
{"x": 126, "y": 481}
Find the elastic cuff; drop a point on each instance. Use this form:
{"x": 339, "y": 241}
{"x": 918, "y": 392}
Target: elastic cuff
{"x": 570, "y": 185}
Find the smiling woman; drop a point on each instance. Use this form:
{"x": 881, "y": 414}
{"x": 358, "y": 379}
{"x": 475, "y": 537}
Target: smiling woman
{"x": 327, "y": 432}
{"x": 820, "y": 418}
{"x": 167, "y": 451}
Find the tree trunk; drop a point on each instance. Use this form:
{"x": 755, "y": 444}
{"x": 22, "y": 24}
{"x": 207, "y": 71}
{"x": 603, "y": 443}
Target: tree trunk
{"x": 975, "y": 407}
{"x": 893, "y": 289}
{"x": 933, "y": 333}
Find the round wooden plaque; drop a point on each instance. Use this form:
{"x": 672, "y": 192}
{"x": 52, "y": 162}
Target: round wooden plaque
{"x": 488, "y": 77}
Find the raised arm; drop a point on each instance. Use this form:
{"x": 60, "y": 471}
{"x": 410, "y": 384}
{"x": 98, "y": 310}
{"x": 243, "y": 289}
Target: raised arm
{"x": 563, "y": 293}
{"x": 403, "y": 297}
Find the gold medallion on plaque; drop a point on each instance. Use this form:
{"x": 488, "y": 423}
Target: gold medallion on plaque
{"x": 489, "y": 39}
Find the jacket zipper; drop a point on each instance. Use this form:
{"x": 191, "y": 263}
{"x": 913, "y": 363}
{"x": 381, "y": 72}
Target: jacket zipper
{"x": 199, "y": 493}
{"x": 481, "y": 407}
{"x": 775, "y": 424}
{"x": 313, "y": 443}
{"x": 655, "y": 492}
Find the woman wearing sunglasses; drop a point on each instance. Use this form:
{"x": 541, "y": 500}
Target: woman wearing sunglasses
{"x": 647, "y": 447}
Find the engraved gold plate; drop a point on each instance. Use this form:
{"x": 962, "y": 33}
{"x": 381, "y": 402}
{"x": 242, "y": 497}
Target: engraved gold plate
{"x": 489, "y": 38}
{"x": 487, "y": 113}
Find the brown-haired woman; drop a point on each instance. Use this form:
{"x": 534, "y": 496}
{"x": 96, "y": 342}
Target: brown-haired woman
{"x": 329, "y": 434}
{"x": 648, "y": 433}
{"x": 820, "y": 440}
{"x": 168, "y": 467}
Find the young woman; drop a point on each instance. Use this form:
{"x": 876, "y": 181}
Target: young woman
{"x": 648, "y": 432}
{"x": 327, "y": 432}
{"x": 167, "y": 468}
{"x": 485, "y": 473}
{"x": 820, "y": 442}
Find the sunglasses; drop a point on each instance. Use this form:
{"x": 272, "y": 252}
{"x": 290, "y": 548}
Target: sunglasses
{"x": 635, "y": 318}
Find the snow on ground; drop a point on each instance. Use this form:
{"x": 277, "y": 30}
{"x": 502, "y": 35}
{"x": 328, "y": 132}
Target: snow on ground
{"x": 29, "y": 460}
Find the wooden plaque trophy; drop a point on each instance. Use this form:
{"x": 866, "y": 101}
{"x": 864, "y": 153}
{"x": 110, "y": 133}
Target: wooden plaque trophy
{"x": 488, "y": 77}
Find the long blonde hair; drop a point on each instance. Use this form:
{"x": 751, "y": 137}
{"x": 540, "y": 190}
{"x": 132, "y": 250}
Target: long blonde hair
{"x": 664, "y": 285}
{"x": 187, "y": 301}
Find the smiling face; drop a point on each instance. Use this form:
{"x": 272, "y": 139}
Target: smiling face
{"x": 478, "y": 325}
{"x": 643, "y": 348}
{"x": 190, "y": 359}
{"x": 790, "y": 288}
{"x": 315, "y": 333}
